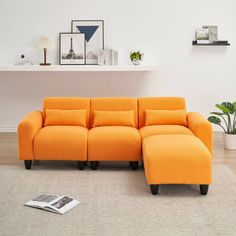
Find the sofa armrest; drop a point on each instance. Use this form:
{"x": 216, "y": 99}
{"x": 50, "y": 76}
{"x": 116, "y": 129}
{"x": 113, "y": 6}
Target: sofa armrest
{"x": 27, "y": 129}
{"x": 202, "y": 128}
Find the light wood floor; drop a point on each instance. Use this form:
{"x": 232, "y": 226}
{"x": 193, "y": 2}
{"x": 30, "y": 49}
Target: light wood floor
{"x": 8, "y": 151}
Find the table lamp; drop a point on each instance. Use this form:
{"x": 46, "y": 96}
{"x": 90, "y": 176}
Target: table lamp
{"x": 45, "y": 43}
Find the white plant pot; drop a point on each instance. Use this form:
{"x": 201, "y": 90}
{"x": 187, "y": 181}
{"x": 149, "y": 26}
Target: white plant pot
{"x": 229, "y": 141}
{"x": 136, "y": 62}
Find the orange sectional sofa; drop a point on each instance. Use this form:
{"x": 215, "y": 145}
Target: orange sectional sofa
{"x": 176, "y": 147}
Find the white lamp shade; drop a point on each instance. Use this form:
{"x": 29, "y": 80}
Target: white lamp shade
{"x": 45, "y": 43}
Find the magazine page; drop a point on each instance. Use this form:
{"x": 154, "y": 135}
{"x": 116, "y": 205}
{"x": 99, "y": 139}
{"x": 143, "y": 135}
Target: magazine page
{"x": 42, "y": 200}
{"x": 54, "y": 203}
{"x": 63, "y": 204}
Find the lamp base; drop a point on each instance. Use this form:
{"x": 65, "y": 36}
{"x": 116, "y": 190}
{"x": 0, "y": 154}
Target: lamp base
{"x": 45, "y": 64}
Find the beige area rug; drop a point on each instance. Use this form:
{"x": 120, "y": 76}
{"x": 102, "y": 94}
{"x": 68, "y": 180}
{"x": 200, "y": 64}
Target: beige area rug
{"x": 114, "y": 201}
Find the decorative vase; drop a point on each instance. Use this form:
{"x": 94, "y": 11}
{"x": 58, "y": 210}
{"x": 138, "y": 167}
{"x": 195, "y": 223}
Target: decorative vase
{"x": 136, "y": 62}
{"x": 229, "y": 141}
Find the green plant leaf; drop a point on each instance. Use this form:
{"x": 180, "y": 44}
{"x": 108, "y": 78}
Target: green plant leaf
{"x": 228, "y": 105}
{"x": 218, "y": 113}
{"x": 234, "y": 106}
{"x": 135, "y": 55}
{"x": 214, "y": 120}
{"x": 223, "y": 108}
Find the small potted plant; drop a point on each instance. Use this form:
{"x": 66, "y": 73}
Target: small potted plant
{"x": 136, "y": 57}
{"x": 227, "y": 115}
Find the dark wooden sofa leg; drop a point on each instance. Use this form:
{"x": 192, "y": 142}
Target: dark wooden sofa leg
{"x": 204, "y": 189}
{"x": 28, "y": 164}
{"x": 94, "y": 165}
{"x": 154, "y": 189}
{"x": 134, "y": 165}
{"x": 81, "y": 165}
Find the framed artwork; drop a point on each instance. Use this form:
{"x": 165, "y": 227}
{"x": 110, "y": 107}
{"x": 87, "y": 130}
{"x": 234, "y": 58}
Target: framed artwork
{"x": 72, "y": 49}
{"x": 94, "y": 37}
{"x": 213, "y": 32}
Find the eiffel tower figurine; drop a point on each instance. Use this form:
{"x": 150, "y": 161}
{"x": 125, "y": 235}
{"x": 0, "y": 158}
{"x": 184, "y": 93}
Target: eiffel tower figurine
{"x": 71, "y": 54}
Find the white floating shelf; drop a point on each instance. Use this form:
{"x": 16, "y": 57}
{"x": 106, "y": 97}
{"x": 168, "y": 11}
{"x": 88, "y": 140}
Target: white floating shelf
{"x": 76, "y": 68}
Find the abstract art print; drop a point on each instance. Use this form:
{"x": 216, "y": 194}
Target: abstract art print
{"x": 72, "y": 49}
{"x": 94, "y": 37}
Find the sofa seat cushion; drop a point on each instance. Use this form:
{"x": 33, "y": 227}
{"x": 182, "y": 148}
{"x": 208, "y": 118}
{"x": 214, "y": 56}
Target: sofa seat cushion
{"x": 61, "y": 143}
{"x": 147, "y": 131}
{"x": 114, "y": 143}
{"x": 176, "y": 159}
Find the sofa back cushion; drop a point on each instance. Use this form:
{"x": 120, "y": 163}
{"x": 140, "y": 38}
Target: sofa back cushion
{"x": 165, "y": 117}
{"x": 67, "y": 103}
{"x": 65, "y": 117}
{"x": 159, "y": 103}
{"x": 126, "y": 106}
{"x": 113, "y": 118}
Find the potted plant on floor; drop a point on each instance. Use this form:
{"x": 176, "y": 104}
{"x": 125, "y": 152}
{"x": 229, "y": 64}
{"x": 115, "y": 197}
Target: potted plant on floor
{"x": 227, "y": 115}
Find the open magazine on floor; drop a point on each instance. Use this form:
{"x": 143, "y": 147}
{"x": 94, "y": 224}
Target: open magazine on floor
{"x": 54, "y": 203}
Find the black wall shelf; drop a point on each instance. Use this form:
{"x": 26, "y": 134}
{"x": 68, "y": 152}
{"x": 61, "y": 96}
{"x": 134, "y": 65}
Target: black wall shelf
{"x": 218, "y": 43}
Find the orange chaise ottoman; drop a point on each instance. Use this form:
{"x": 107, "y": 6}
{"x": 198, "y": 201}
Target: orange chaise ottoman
{"x": 176, "y": 159}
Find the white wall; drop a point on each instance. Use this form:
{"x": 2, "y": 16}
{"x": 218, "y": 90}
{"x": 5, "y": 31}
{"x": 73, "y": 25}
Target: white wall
{"x": 162, "y": 29}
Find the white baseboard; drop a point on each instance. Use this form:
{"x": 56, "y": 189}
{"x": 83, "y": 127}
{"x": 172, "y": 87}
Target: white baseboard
{"x": 8, "y": 129}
